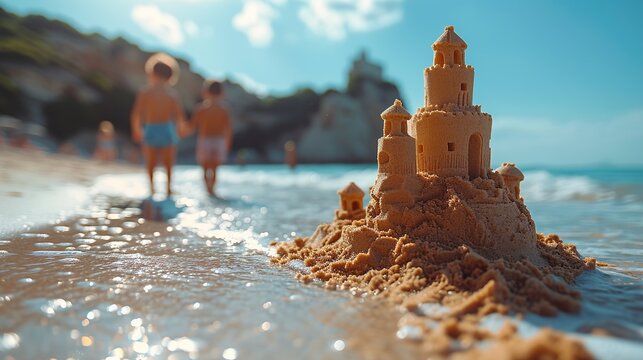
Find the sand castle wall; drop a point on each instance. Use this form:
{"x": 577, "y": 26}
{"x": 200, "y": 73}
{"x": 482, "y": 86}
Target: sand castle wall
{"x": 453, "y": 143}
{"x": 448, "y": 84}
{"x": 396, "y": 155}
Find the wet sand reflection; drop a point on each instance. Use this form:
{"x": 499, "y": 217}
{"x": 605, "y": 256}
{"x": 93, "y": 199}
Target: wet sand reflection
{"x": 113, "y": 284}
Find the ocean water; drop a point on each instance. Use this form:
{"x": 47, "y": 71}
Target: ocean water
{"x": 106, "y": 283}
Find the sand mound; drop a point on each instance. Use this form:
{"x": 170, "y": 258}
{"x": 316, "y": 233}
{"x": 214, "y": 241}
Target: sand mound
{"x": 467, "y": 245}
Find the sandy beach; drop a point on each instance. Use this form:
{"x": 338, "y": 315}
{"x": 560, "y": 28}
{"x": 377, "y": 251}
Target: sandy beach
{"x": 37, "y": 187}
{"x": 90, "y": 277}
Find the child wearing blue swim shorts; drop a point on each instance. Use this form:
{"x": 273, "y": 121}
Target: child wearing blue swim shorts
{"x": 157, "y": 112}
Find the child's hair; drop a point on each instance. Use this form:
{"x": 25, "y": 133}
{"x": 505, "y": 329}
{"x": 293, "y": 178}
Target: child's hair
{"x": 106, "y": 127}
{"x": 164, "y": 66}
{"x": 213, "y": 87}
{"x": 162, "y": 70}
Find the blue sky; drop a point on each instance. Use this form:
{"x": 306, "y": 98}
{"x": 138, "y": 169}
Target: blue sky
{"x": 563, "y": 79}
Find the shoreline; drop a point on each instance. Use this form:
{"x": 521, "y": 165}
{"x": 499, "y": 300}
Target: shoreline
{"x": 92, "y": 198}
{"x": 37, "y": 188}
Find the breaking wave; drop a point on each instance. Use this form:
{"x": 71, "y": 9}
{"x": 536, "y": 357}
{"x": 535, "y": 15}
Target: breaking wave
{"x": 539, "y": 185}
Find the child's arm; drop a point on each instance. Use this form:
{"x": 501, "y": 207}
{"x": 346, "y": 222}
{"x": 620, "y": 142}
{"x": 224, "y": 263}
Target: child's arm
{"x": 135, "y": 119}
{"x": 180, "y": 118}
{"x": 228, "y": 132}
{"x": 195, "y": 120}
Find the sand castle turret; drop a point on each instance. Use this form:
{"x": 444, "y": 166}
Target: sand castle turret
{"x": 351, "y": 203}
{"x": 396, "y": 149}
{"x": 452, "y": 135}
{"x": 512, "y": 177}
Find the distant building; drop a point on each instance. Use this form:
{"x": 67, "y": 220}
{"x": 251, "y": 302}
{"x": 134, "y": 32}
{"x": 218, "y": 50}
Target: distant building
{"x": 363, "y": 68}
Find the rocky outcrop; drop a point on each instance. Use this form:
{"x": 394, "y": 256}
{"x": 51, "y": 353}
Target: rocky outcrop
{"x": 337, "y": 132}
{"x": 54, "y": 75}
{"x": 348, "y": 124}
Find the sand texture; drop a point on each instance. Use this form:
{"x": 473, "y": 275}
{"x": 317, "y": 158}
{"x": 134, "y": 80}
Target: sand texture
{"x": 467, "y": 245}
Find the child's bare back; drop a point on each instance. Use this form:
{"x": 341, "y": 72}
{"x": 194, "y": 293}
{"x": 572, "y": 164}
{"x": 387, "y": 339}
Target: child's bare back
{"x": 158, "y": 104}
{"x": 212, "y": 119}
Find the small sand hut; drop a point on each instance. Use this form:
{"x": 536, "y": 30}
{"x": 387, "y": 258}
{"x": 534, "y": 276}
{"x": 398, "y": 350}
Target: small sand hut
{"x": 351, "y": 202}
{"x": 512, "y": 177}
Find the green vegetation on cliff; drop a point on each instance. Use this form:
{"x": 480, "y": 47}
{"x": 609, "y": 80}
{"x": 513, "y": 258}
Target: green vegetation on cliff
{"x": 69, "y": 81}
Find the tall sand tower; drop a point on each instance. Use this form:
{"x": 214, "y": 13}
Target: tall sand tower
{"x": 452, "y": 135}
{"x": 396, "y": 149}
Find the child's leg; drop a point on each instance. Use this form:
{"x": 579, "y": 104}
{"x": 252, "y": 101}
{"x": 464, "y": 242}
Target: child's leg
{"x": 151, "y": 156}
{"x": 213, "y": 178}
{"x": 206, "y": 176}
{"x": 168, "y": 161}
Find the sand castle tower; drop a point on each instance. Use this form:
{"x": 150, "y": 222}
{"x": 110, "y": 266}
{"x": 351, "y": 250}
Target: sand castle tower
{"x": 512, "y": 177}
{"x": 452, "y": 135}
{"x": 351, "y": 203}
{"x": 396, "y": 149}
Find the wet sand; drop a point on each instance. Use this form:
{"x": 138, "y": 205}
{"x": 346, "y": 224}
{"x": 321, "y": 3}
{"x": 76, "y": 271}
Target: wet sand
{"x": 36, "y": 187}
{"x": 114, "y": 284}
{"x": 104, "y": 282}
{"x": 200, "y": 286}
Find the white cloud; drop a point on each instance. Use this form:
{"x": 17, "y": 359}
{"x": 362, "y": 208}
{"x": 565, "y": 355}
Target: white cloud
{"x": 547, "y": 142}
{"x": 162, "y": 25}
{"x": 191, "y": 28}
{"x": 333, "y": 19}
{"x": 255, "y": 21}
{"x": 250, "y": 84}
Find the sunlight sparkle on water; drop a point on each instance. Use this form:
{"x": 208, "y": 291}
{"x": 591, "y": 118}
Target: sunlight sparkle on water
{"x": 182, "y": 343}
{"x": 339, "y": 345}
{"x": 230, "y": 354}
{"x": 9, "y": 341}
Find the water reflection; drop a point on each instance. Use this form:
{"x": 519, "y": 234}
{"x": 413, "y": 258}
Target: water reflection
{"x": 178, "y": 289}
{"x": 118, "y": 283}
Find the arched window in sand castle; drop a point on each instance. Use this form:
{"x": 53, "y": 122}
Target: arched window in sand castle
{"x": 457, "y": 57}
{"x": 404, "y": 128}
{"x": 356, "y": 205}
{"x": 382, "y": 157}
{"x": 475, "y": 156}
{"x": 439, "y": 58}
{"x": 387, "y": 127}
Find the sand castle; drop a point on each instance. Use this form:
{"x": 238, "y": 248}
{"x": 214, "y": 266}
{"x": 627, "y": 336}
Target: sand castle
{"x": 442, "y": 154}
{"x": 435, "y": 186}
{"x": 442, "y": 226}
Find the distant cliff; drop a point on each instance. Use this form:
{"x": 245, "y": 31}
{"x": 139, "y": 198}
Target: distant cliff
{"x": 69, "y": 81}
{"x": 348, "y": 123}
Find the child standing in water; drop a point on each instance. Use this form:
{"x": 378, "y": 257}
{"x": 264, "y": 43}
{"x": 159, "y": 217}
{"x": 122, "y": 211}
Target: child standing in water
{"x": 105, "y": 142}
{"x": 212, "y": 121}
{"x": 155, "y": 116}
